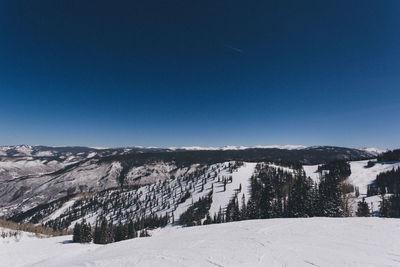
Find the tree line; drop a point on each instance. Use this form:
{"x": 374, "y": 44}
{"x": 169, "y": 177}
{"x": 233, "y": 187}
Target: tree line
{"x": 105, "y": 231}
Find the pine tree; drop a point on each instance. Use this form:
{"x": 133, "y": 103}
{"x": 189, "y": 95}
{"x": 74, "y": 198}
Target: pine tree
{"x": 265, "y": 201}
{"x": 104, "y": 233}
{"x": 243, "y": 210}
{"x": 363, "y": 209}
{"x": 77, "y": 235}
{"x": 236, "y": 210}
{"x": 330, "y": 196}
{"x": 96, "y": 235}
{"x": 118, "y": 232}
{"x": 82, "y": 232}
{"x": 395, "y": 205}
{"x": 87, "y": 235}
{"x": 300, "y": 198}
{"x": 251, "y": 210}
{"x": 384, "y": 207}
{"x": 131, "y": 230}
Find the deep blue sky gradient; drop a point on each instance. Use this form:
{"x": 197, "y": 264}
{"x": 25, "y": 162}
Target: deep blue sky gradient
{"x": 210, "y": 73}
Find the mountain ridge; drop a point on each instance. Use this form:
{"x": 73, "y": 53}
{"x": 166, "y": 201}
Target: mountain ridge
{"x": 46, "y": 174}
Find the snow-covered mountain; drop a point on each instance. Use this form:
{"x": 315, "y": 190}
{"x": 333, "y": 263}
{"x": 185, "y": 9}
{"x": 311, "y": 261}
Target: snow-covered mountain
{"x": 157, "y": 193}
{"x": 63, "y": 152}
{"x": 165, "y": 196}
{"x": 288, "y": 147}
{"x": 274, "y": 242}
{"x": 373, "y": 150}
{"x": 36, "y": 175}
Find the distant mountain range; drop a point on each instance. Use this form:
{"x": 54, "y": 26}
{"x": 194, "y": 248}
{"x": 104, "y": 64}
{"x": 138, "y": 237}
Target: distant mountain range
{"x": 57, "y": 151}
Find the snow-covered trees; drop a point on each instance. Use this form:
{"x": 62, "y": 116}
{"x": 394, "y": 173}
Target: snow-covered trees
{"x": 276, "y": 193}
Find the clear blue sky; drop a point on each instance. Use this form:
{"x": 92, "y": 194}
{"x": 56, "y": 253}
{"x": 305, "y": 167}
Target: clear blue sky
{"x": 210, "y": 73}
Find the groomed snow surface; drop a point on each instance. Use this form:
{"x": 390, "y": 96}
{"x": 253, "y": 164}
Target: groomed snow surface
{"x": 272, "y": 242}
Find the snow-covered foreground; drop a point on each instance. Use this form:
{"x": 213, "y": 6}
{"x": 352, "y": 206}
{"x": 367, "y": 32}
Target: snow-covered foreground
{"x": 274, "y": 242}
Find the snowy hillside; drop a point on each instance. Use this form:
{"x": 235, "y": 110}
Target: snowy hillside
{"x": 22, "y": 193}
{"x": 38, "y": 175}
{"x": 165, "y": 190}
{"x": 361, "y": 176}
{"x": 272, "y": 242}
{"x": 164, "y": 197}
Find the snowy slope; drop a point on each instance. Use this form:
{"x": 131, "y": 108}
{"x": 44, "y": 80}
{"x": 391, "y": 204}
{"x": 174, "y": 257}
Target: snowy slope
{"x": 14, "y": 168}
{"x": 35, "y": 175}
{"x": 27, "y": 249}
{"x": 165, "y": 196}
{"x": 240, "y": 176}
{"x": 23, "y": 193}
{"x": 361, "y": 176}
{"x": 311, "y": 171}
{"x": 274, "y": 242}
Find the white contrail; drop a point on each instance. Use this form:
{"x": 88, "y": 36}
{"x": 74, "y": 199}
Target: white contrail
{"x": 234, "y": 48}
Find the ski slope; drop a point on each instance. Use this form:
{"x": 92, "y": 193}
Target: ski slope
{"x": 311, "y": 171}
{"x": 220, "y": 198}
{"x": 361, "y": 176}
{"x": 241, "y": 176}
{"x": 168, "y": 196}
{"x": 274, "y": 242}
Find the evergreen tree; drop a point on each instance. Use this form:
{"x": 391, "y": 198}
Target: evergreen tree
{"x": 77, "y": 235}
{"x": 300, "y": 200}
{"x": 104, "y": 233}
{"x": 330, "y": 196}
{"x": 362, "y": 209}
{"x": 243, "y": 210}
{"x": 96, "y": 234}
{"x": 384, "y": 207}
{"x": 82, "y": 233}
{"x": 251, "y": 210}
{"x": 131, "y": 230}
{"x": 390, "y": 207}
{"x": 86, "y": 229}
